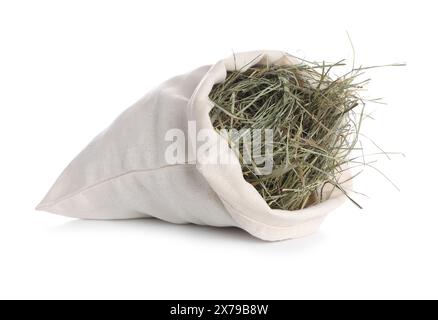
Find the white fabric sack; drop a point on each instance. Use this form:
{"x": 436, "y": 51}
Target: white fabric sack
{"x": 123, "y": 172}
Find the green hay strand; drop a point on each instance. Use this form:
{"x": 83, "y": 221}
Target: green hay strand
{"x": 316, "y": 120}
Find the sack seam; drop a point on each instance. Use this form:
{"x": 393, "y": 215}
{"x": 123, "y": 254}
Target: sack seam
{"x": 104, "y": 181}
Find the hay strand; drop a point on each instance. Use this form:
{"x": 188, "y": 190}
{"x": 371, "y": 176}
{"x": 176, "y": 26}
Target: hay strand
{"x": 315, "y": 119}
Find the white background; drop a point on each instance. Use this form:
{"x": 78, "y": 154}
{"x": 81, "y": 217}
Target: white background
{"x": 68, "y": 68}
